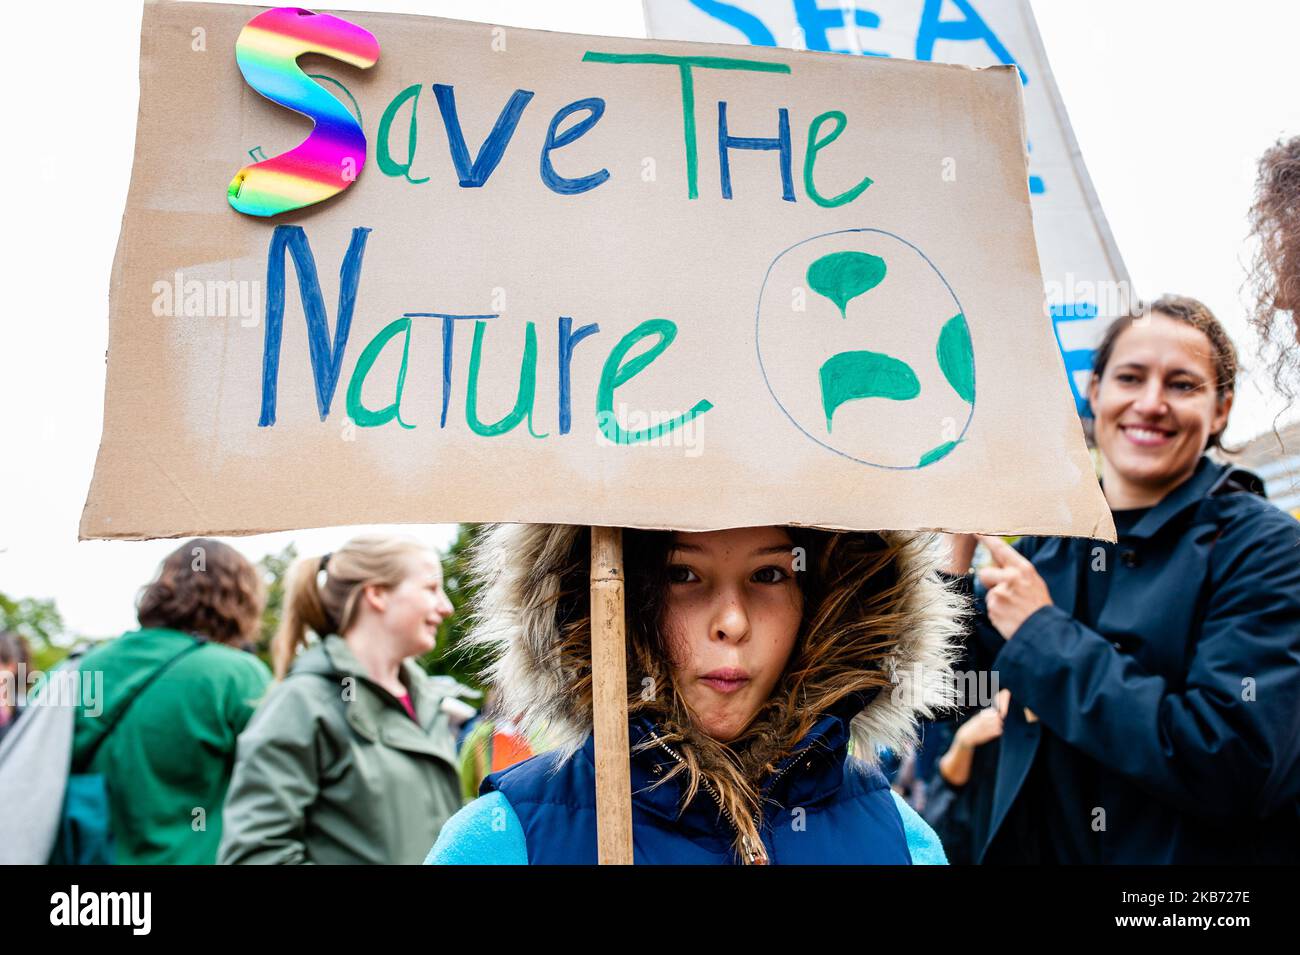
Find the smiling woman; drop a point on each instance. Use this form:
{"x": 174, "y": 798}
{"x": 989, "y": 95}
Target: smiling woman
{"x": 767, "y": 666}
{"x": 1154, "y": 681}
{"x": 351, "y": 758}
{"x": 1161, "y": 393}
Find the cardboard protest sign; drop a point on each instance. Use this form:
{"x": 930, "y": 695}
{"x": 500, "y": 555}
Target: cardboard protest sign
{"x": 1084, "y": 276}
{"x": 582, "y": 280}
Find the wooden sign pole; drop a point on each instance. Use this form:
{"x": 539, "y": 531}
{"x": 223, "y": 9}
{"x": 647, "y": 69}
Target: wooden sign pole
{"x": 609, "y": 699}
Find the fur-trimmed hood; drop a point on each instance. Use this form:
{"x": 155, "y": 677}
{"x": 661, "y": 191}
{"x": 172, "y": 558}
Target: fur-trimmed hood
{"x": 523, "y": 573}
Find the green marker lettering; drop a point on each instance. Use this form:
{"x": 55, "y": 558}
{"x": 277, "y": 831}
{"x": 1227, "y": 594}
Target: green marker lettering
{"x": 358, "y": 412}
{"x": 616, "y": 373}
{"x": 684, "y": 65}
{"x": 527, "y": 386}
{"x": 386, "y": 163}
{"x": 815, "y": 144}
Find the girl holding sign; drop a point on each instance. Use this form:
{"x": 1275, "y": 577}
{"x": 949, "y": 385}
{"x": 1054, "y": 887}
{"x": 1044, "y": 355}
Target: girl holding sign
{"x": 767, "y": 666}
{"x": 1154, "y": 683}
{"x": 351, "y": 758}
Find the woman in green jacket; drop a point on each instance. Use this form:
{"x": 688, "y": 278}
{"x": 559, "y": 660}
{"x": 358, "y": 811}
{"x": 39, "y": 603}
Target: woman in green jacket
{"x": 169, "y": 702}
{"x": 351, "y": 759}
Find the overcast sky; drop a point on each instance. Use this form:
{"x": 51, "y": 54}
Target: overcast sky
{"x": 1171, "y": 101}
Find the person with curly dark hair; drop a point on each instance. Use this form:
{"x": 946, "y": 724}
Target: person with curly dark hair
{"x": 1274, "y": 281}
{"x": 177, "y": 694}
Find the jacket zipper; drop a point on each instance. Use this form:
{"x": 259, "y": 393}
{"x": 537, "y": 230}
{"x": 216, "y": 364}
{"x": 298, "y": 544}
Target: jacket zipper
{"x": 754, "y": 855}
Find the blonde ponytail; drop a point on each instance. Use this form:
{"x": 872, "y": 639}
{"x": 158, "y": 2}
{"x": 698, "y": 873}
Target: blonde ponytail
{"x": 302, "y": 608}
{"x": 331, "y": 606}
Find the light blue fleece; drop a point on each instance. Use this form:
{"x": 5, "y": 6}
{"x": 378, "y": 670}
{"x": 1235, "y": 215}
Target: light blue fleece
{"x": 922, "y": 841}
{"x": 487, "y": 832}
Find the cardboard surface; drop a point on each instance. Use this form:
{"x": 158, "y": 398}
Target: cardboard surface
{"x": 811, "y": 356}
{"x": 1084, "y": 276}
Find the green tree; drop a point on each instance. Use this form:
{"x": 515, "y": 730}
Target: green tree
{"x": 274, "y": 568}
{"x": 449, "y": 657}
{"x": 41, "y": 623}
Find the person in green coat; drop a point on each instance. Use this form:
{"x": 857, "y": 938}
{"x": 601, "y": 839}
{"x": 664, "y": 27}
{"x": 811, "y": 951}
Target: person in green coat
{"x": 175, "y": 696}
{"x": 351, "y": 759}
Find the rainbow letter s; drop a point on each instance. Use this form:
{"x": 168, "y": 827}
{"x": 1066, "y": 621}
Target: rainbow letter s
{"x": 328, "y": 160}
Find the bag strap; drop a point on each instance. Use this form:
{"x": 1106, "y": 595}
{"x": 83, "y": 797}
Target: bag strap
{"x": 135, "y": 695}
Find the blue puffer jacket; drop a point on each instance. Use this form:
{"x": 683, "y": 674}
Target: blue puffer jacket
{"x": 821, "y": 805}
{"x": 825, "y": 808}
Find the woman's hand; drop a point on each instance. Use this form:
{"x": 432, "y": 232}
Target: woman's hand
{"x": 955, "y": 765}
{"x": 1015, "y": 588}
{"x": 979, "y": 729}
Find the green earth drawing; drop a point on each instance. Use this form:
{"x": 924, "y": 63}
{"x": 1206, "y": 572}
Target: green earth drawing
{"x": 869, "y": 353}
